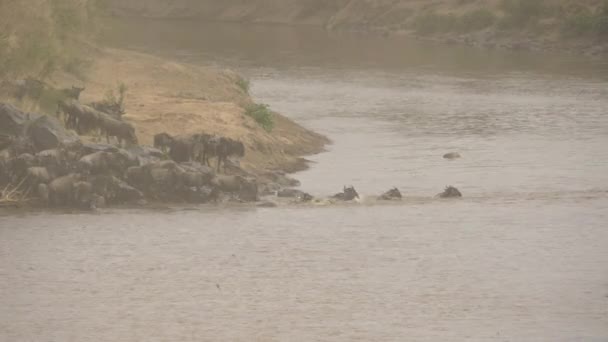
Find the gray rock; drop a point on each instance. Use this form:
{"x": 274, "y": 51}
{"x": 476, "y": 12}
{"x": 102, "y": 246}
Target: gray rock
{"x": 47, "y": 133}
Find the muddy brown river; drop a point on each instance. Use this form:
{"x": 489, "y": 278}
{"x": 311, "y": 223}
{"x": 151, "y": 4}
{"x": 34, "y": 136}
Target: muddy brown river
{"x": 522, "y": 257}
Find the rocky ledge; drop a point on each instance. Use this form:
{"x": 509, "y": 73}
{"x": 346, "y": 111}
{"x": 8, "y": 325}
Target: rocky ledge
{"x": 44, "y": 164}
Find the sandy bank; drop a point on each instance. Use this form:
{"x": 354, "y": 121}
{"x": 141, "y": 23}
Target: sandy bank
{"x": 165, "y": 96}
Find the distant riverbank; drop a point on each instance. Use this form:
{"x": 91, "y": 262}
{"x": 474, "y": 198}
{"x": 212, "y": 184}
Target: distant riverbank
{"x": 556, "y": 25}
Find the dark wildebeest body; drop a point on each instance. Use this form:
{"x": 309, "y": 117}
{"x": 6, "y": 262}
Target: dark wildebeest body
{"x": 392, "y": 194}
{"x": 450, "y": 192}
{"x": 122, "y": 131}
{"x": 181, "y": 150}
{"x": 227, "y": 148}
{"x": 82, "y": 119}
{"x": 163, "y": 141}
{"x": 348, "y": 194}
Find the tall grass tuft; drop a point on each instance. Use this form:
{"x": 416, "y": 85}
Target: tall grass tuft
{"x": 262, "y": 114}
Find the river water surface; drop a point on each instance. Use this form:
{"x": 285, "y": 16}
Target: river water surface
{"x": 522, "y": 257}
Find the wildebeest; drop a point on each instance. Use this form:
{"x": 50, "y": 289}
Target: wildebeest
{"x": 392, "y": 194}
{"x": 163, "y": 141}
{"x": 200, "y": 147}
{"x": 73, "y": 92}
{"x": 61, "y": 190}
{"x": 113, "y": 109}
{"x": 348, "y": 194}
{"x": 122, "y": 131}
{"x": 221, "y": 148}
{"x": 450, "y": 192}
{"x": 182, "y": 149}
{"x": 451, "y": 155}
{"x": 82, "y": 119}
{"x": 85, "y": 119}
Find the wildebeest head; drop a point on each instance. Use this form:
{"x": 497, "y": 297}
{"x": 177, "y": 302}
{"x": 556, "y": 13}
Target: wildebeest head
{"x": 450, "y": 192}
{"x": 76, "y": 92}
{"x": 162, "y": 141}
{"x": 392, "y": 194}
{"x": 350, "y": 193}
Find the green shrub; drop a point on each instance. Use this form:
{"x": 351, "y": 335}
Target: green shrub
{"x": 244, "y": 84}
{"x": 262, "y": 115}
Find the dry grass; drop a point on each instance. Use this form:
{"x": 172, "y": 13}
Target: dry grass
{"x": 14, "y": 196}
{"x": 39, "y": 37}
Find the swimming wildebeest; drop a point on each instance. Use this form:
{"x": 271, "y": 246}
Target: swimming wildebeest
{"x": 451, "y": 155}
{"x": 450, "y": 192}
{"x": 392, "y": 194}
{"x": 348, "y": 194}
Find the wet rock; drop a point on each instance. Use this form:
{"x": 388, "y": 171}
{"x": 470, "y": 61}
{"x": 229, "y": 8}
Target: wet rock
{"x": 391, "y": 195}
{"x": 452, "y": 155}
{"x": 90, "y": 148}
{"x": 61, "y": 190}
{"x": 145, "y": 154}
{"x": 98, "y": 202}
{"x": 95, "y": 163}
{"x": 19, "y": 166}
{"x": 450, "y": 192}
{"x": 124, "y": 193}
{"x": 43, "y": 192}
{"x": 48, "y": 133}
{"x": 249, "y": 190}
{"x": 282, "y": 179}
{"x": 5, "y": 141}
{"x": 201, "y": 194}
{"x": 269, "y": 188}
{"x": 266, "y": 204}
{"x": 37, "y": 175}
{"x": 83, "y": 195}
{"x": 294, "y": 193}
{"x": 54, "y": 161}
{"x": 245, "y": 189}
{"x": 115, "y": 190}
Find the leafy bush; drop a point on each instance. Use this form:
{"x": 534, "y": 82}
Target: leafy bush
{"x": 244, "y": 84}
{"x": 262, "y": 115}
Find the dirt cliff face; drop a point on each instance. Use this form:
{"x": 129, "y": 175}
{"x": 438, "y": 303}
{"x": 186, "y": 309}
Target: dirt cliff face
{"x": 317, "y": 12}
